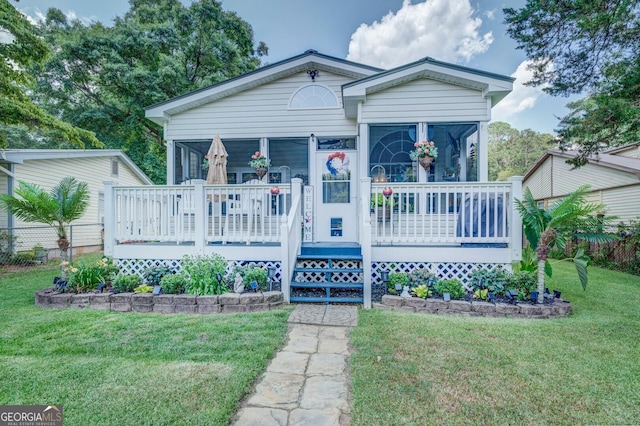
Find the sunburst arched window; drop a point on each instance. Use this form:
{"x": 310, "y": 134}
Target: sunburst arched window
{"x": 313, "y": 96}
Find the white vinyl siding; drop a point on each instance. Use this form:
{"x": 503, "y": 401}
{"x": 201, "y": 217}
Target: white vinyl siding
{"x": 264, "y": 112}
{"x": 623, "y": 202}
{"x": 425, "y": 100}
{"x": 566, "y": 180}
{"x": 539, "y": 183}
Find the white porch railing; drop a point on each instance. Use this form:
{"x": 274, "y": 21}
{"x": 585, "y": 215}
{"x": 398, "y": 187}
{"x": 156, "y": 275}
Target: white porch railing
{"x": 445, "y": 213}
{"x": 291, "y": 237}
{"x": 185, "y": 213}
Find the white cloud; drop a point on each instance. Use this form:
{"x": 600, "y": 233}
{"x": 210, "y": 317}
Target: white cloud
{"x": 521, "y": 98}
{"x": 6, "y": 37}
{"x": 444, "y": 29}
{"x": 35, "y": 16}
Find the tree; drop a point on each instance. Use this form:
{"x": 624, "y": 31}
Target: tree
{"x": 513, "y": 152}
{"x": 65, "y": 203}
{"x": 102, "y": 77}
{"x": 570, "y": 217}
{"x": 585, "y": 46}
{"x": 20, "y": 49}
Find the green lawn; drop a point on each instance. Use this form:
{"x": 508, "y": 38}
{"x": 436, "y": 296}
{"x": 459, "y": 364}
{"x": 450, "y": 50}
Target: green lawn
{"x": 110, "y": 368}
{"x": 412, "y": 369}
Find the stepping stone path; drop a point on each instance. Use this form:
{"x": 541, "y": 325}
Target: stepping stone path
{"x": 307, "y": 382}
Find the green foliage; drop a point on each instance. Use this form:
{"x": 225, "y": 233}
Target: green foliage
{"x": 512, "y": 152}
{"x": 201, "y": 273}
{"x": 585, "y": 47}
{"x": 524, "y": 281}
{"x": 452, "y": 286}
{"x": 568, "y": 218}
{"x": 153, "y": 274}
{"x": 143, "y": 289}
{"x": 101, "y": 77}
{"x": 125, "y": 283}
{"x": 25, "y": 50}
{"x": 419, "y": 276}
{"x": 492, "y": 280}
{"x": 422, "y": 291}
{"x": 257, "y": 274}
{"x": 84, "y": 278}
{"x": 64, "y": 203}
{"x": 172, "y": 283}
{"x": 7, "y": 242}
{"x": 401, "y": 278}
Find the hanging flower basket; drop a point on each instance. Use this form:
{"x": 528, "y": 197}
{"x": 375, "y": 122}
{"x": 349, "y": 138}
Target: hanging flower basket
{"x": 425, "y": 161}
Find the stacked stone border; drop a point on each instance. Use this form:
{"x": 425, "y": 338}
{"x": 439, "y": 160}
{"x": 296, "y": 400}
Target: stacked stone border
{"x": 559, "y": 308}
{"x": 163, "y": 303}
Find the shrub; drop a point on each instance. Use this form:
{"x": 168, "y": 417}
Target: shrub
{"x": 493, "y": 280}
{"x": 256, "y": 274}
{"x": 422, "y": 291}
{"x": 84, "y": 278}
{"x": 202, "y": 272}
{"x": 452, "y": 286}
{"x": 125, "y": 283}
{"x": 172, "y": 283}
{"x": 397, "y": 278}
{"x": 144, "y": 288}
{"x": 419, "y": 276}
{"x": 525, "y": 282}
{"x": 153, "y": 274}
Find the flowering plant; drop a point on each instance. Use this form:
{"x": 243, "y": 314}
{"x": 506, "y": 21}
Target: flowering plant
{"x": 422, "y": 149}
{"x": 259, "y": 160}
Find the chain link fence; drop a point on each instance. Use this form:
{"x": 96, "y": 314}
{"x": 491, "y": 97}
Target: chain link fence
{"x": 32, "y": 245}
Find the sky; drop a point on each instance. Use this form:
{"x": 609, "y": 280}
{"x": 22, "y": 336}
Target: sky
{"x": 382, "y": 33}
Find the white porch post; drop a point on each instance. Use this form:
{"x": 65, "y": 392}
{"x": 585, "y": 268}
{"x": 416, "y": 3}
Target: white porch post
{"x": 482, "y": 151}
{"x": 516, "y": 220}
{"x": 171, "y": 163}
{"x": 109, "y": 218}
{"x": 365, "y": 238}
{"x": 199, "y": 216}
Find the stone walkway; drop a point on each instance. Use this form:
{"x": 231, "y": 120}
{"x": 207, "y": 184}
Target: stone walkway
{"x": 307, "y": 382}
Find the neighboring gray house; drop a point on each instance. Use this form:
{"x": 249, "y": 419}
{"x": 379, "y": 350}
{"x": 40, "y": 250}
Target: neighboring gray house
{"x": 46, "y": 167}
{"x": 614, "y": 177}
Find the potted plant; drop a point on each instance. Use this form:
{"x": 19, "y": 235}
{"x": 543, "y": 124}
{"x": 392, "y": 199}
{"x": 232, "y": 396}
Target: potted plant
{"x": 425, "y": 152}
{"x": 260, "y": 163}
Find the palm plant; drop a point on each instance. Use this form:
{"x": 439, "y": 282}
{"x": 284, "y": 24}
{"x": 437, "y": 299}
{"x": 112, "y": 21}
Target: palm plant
{"x": 65, "y": 203}
{"x": 570, "y": 217}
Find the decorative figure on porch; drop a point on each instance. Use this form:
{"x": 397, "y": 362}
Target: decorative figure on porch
{"x": 238, "y": 286}
{"x": 260, "y": 163}
{"x": 425, "y": 152}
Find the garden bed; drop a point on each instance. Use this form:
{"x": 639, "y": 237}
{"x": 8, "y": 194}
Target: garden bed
{"x": 558, "y": 308}
{"x": 163, "y": 303}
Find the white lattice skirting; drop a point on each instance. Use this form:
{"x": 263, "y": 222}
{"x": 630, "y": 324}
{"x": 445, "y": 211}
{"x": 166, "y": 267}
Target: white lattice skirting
{"x": 461, "y": 271}
{"x": 138, "y": 266}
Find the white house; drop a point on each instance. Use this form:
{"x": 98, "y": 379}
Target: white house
{"x": 614, "y": 177}
{"x": 45, "y": 168}
{"x": 338, "y": 135}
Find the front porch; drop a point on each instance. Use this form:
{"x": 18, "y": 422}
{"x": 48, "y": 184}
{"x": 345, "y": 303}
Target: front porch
{"x": 447, "y": 226}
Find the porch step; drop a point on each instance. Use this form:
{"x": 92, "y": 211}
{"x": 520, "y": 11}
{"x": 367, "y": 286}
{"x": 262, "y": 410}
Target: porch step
{"x": 324, "y": 300}
{"x": 354, "y": 286}
{"x": 332, "y": 263}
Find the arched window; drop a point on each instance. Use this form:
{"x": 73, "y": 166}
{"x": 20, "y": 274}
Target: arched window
{"x": 313, "y": 96}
